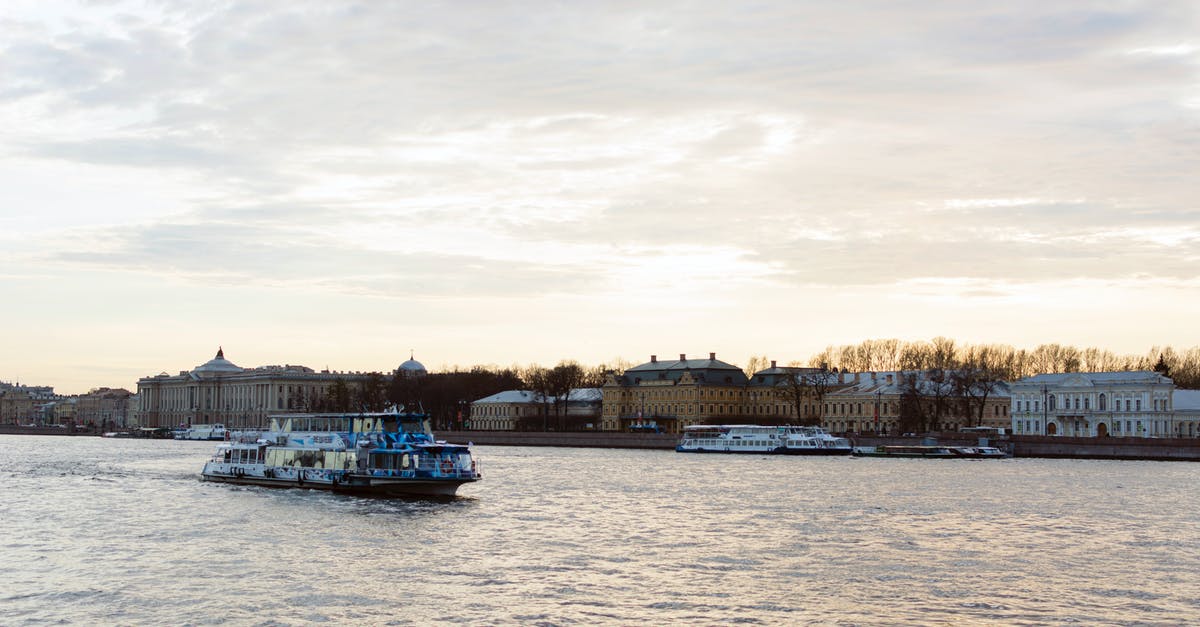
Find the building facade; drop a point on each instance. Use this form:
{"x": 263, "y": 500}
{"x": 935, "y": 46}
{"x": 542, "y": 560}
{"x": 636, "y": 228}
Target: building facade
{"x": 25, "y": 404}
{"x": 1100, "y": 404}
{"x": 516, "y": 410}
{"x": 218, "y": 391}
{"x": 670, "y": 395}
{"x": 105, "y": 408}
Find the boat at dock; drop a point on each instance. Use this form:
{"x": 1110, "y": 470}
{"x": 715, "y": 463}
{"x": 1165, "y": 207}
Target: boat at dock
{"x": 772, "y": 440}
{"x": 202, "y": 432}
{"x": 931, "y": 451}
{"x": 387, "y": 454}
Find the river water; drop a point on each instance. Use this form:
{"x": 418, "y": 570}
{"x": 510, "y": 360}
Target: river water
{"x": 122, "y": 532}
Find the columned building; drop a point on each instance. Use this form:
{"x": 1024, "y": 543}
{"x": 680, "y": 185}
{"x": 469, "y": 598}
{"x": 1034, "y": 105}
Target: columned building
{"x": 1099, "y": 404}
{"x": 219, "y": 391}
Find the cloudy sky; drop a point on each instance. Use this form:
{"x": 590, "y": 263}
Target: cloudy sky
{"x": 338, "y": 183}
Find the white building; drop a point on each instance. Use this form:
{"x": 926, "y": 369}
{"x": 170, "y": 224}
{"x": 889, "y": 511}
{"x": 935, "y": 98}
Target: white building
{"x": 1100, "y": 404}
{"x": 504, "y": 411}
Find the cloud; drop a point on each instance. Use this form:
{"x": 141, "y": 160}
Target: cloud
{"x": 813, "y": 144}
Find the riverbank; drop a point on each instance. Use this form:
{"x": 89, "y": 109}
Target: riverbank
{"x": 48, "y": 430}
{"x": 1159, "y": 449}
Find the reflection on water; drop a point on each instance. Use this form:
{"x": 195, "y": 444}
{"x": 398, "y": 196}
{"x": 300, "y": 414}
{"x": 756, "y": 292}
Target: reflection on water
{"x": 123, "y": 532}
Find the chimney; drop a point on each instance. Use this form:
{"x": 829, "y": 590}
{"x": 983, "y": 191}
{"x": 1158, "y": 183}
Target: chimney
{"x": 889, "y": 378}
{"x": 873, "y": 378}
{"x": 772, "y": 364}
{"x": 654, "y": 359}
{"x": 712, "y": 356}
{"x": 682, "y": 356}
{"x": 856, "y": 377}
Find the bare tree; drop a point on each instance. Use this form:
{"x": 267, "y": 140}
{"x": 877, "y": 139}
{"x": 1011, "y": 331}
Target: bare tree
{"x": 755, "y": 364}
{"x": 805, "y": 390}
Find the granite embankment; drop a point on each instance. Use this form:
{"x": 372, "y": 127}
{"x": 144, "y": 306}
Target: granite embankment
{"x": 1020, "y": 446}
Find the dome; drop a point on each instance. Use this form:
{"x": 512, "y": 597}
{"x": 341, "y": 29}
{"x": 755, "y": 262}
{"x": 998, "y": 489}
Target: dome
{"x": 412, "y": 368}
{"x": 217, "y": 365}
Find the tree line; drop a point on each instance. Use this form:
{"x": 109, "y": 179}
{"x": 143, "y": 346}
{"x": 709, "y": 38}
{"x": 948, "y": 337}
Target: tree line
{"x": 1183, "y": 366}
{"x": 447, "y": 396}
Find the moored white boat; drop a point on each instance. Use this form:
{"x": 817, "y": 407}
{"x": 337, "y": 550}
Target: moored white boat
{"x": 931, "y": 451}
{"x": 379, "y": 454}
{"x": 775, "y": 440}
{"x": 202, "y": 432}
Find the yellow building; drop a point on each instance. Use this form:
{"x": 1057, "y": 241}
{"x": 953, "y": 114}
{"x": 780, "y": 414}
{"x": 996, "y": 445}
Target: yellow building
{"x": 870, "y": 402}
{"x": 669, "y": 395}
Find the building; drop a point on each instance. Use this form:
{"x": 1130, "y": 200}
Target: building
{"x": 1100, "y": 404}
{"x": 872, "y": 402}
{"x": 518, "y": 410}
{"x": 1186, "y": 406}
{"x": 105, "y": 408}
{"x": 219, "y": 391}
{"x": 669, "y": 395}
{"x": 25, "y": 404}
{"x": 505, "y": 411}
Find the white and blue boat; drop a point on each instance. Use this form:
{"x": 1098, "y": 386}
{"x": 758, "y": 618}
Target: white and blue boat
{"x": 773, "y": 440}
{"x": 388, "y": 454}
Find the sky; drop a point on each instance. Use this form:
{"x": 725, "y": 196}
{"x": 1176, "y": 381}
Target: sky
{"x": 343, "y": 184}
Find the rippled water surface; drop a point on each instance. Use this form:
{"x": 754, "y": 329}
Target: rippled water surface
{"x": 96, "y": 531}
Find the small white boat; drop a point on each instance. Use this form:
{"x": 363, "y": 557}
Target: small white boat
{"x": 203, "y": 432}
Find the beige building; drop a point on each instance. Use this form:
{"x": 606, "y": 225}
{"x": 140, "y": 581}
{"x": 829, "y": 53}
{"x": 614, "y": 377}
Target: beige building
{"x": 669, "y": 395}
{"x": 870, "y": 402}
{"x": 105, "y": 408}
{"x": 25, "y": 404}
{"x": 219, "y": 391}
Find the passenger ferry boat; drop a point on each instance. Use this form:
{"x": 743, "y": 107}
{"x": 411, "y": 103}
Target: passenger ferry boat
{"x": 775, "y": 440}
{"x": 380, "y": 454}
{"x": 202, "y": 432}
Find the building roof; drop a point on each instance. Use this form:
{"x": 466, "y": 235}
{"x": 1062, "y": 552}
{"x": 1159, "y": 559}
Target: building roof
{"x": 1097, "y": 378}
{"x": 510, "y": 396}
{"x": 217, "y": 365}
{"x": 1186, "y": 400}
{"x": 412, "y": 367}
{"x": 711, "y": 371}
{"x": 576, "y": 395}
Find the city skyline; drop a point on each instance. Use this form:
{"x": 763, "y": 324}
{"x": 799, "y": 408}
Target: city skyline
{"x": 334, "y": 185}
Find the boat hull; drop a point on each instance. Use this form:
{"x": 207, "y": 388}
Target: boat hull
{"x": 359, "y": 485}
{"x": 774, "y": 451}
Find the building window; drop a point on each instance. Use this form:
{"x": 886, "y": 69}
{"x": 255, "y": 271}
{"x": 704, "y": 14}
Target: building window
{"x": 1103, "y": 403}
